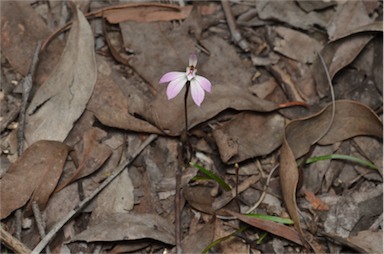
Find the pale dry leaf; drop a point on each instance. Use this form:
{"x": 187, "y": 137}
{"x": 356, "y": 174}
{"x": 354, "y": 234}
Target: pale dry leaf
{"x": 127, "y": 226}
{"x": 289, "y": 12}
{"x": 61, "y": 100}
{"x": 369, "y": 241}
{"x": 296, "y": 45}
{"x": 342, "y": 22}
{"x": 249, "y": 135}
{"x": 115, "y": 198}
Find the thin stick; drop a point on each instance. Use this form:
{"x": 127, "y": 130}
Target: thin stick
{"x": 236, "y": 35}
{"x": 40, "y": 223}
{"x": 27, "y": 86}
{"x": 38, "y": 249}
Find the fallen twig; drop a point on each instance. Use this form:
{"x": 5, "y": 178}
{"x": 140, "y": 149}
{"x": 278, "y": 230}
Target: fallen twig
{"x": 236, "y": 35}
{"x": 83, "y": 203}
{"x": 40, "y": 223}
{"x": 26, "y": 86}
{"x": 8, "y": 240}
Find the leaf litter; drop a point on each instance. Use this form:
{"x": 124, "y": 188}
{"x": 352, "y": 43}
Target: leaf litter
{"x": 99, "y": 104}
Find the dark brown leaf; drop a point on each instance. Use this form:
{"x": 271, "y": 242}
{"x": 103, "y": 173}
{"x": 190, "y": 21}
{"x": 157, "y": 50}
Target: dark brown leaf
{"x": 35, "y": 174}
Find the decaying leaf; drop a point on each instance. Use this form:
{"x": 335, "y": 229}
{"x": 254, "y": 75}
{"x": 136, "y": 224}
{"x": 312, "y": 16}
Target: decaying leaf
{"x": 125, "y": 226}
{"x": 249, "y": 135}
{"x": 351, "y": 119}
{"x": 35, "y": 174}
{"x": 61, "y": 100}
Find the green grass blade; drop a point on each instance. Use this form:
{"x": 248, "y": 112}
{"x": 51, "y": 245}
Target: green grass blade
{"x": 222, "y": 239}
{"x": 213, "y": 176}
{"x": 270, "y": 218}
{"x": 341, "y": 157}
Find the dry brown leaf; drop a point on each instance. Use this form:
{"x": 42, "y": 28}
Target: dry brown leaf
{"x": 35, "y": 174}
{"x": 198, "y": 241}
{"x": 61, "y": 100}
{"x": 368, "y": 241}
{"x": 169, "y": 114}
{"x": 172, "y": 47}
{"x": 296, "y": 45}
{"x": 270, "y": 226}
{"x": 341, "y": 52}
{"x": 351, "y": 119}
{"x": 94, "y": 154}
{"x": 289, "y": 12}
{"x": 111, "y": 107}
{"x": 342, "y": 22}
{"x": 115, "y": 198}
{"x": 124, "y": 226}
{"x": 21, "y": 28}
{"x": 146, "y": 12}
{"x": 249, "y": 135}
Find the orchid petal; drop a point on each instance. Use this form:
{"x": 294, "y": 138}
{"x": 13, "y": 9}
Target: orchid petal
{"x": 204, "y": 83}
{"x": 167, "y": 77}
{"x": 197, "y": 92}
{"x": 193, "y": 60}
{"x": 175, "y": 86}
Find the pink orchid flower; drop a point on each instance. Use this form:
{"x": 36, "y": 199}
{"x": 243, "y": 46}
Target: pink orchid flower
{"x": 177, "y": 81}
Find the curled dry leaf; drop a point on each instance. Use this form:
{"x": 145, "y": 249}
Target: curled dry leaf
{"x": 341, "y": 52}
{"x": 61, "y": 100}
{"x": 35, "y": 174}
{"x": 124, "y": 226}
{"x": 351, "y": 119}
